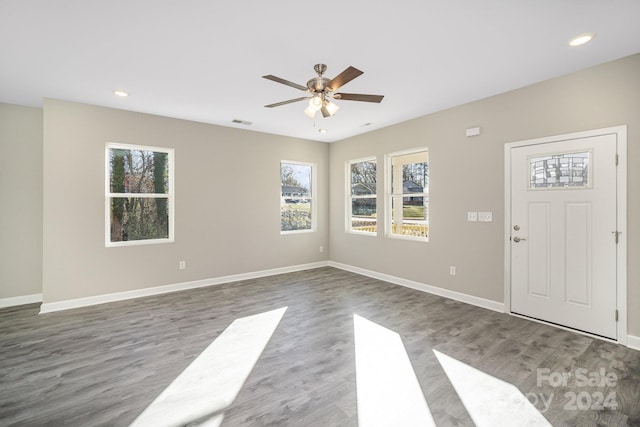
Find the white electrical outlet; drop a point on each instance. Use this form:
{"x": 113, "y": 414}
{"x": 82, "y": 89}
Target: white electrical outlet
{"x": 452, "y": 270}
{"x": 485, "y": 216}
{"x": 472, "y": 216}
{"x": 321, "y": 249}
{"x": 182, "y": 265}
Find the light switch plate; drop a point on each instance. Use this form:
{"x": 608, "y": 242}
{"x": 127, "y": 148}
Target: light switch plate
{"x": 485, "y": 216}
{"x": 472, "y": 216}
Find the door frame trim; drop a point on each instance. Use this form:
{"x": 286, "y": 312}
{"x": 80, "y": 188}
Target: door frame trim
{"x": 621, "y": 215}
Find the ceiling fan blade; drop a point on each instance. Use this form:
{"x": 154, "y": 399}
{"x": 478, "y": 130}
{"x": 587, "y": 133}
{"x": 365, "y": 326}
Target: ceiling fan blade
{"x": 285, "y": 82}
{"x": 344, "y": 77}
{"x": 277, "y": 104}
{"x": 358, "y": 97}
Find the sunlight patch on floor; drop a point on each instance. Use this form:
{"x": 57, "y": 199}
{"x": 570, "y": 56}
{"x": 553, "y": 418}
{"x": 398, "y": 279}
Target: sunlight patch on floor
{"x": 388, "y": 392}
{"x": 489, "y": 401}
{"x": 202, "y": 392}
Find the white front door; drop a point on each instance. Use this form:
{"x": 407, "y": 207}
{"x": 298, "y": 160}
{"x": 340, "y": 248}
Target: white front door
{"x": 564, "y": 233}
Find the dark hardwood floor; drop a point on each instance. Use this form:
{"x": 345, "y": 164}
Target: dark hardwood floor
{"x": 103, "y": 365}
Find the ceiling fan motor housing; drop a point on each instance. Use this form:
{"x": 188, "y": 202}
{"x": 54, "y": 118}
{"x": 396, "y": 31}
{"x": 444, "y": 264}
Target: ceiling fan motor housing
{"x": 318, "y": 84}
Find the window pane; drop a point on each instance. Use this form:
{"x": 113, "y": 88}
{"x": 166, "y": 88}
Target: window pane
{"x": 560, "y": 171}
{"x": 363, "y": 215}
{"x": 138, "y": 171}
{"x": 139, "y": 218}
{"x": 409, "y": 199}
{"x": 410, "y": 216}
{"x": 296, "y": 196}
{"x": 415, "y": 178}
{"x": 295, "y": 180}
{"x": 363, "y": 178}
{"x": 295, "y": 214}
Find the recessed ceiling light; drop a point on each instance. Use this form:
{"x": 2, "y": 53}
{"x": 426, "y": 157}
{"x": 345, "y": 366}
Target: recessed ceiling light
{"x": 581, "y": 39}
{"x": 322, "y": 130}
{"x": 120, "y": 93}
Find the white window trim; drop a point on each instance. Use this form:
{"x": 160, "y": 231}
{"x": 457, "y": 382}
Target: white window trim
{"x": 349, "y": 197}
{"x": 314, "y": 209}
{"x": 388, "y": 175}
{"x": 109, "y": 195}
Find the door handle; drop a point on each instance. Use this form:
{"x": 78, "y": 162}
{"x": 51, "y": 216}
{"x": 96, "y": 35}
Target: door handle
{"x": 518, "y": 239}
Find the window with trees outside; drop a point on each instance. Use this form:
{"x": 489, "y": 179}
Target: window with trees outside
{"x": 408, "y": 195}
{"x": 139, "y": 195}
{"x": 362, "y": 193}
{"x": 296, "y": 197}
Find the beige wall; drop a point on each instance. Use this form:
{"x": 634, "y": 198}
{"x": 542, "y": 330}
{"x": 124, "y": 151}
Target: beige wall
{"x": 21, "y": 195}
{"x": 466, "y": 174}
{"x": 227, "y": 214}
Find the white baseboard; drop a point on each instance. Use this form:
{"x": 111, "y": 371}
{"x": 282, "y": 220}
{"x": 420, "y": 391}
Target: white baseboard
{"x": 633, "y": 342}
{"x": 138, "y": 293}
{"x": 458, "y": 296}
{"x": 21, "y": 300}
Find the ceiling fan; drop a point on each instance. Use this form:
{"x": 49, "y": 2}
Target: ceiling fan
{"x": 323, "y": 90}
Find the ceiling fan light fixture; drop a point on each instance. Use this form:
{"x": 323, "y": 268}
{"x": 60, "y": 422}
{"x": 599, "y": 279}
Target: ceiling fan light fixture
{"x": 331, "y": 108}
{"x": 310, "y": 112}
{"x": 315, "y": 103}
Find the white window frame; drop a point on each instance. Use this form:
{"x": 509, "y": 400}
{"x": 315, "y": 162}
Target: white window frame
{"x": 350, "y": 197}
{"x": 109, "y": 195}
{"x": 313, "y": 203}
{"x": 389, "y": 194}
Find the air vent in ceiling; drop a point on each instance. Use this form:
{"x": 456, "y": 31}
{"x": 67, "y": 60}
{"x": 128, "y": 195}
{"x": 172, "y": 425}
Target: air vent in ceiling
{"x": 242, "y": 122}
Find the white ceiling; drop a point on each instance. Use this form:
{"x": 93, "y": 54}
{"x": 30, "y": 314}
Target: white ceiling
{"x": 202, "y": 60}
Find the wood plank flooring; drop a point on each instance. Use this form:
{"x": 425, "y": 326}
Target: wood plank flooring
{"x": 103, "y": 365}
